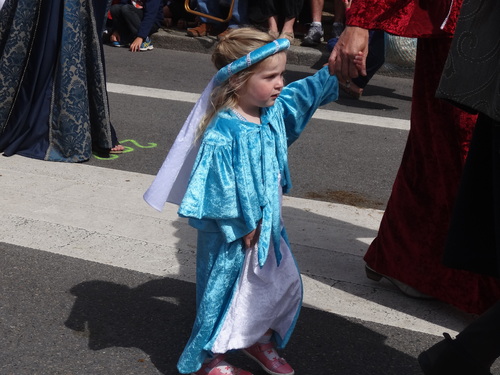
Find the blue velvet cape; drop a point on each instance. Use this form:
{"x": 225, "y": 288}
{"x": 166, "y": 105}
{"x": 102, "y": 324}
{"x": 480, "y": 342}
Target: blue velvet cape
{"x": 235, "y": 184}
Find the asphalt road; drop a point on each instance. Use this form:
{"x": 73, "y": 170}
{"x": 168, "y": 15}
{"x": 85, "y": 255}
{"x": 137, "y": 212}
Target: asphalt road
{"x": 334, "y": 160}
{"x": 64, "y": 316}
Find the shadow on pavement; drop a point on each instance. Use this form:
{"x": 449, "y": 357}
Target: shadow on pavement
{"x": 156, "y": 317}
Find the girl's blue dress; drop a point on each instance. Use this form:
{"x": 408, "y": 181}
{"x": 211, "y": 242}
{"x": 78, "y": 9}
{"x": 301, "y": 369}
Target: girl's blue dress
{"x": 236, "y": 183}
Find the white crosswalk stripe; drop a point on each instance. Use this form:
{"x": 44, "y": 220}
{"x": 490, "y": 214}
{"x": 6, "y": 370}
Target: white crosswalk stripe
{"x": 56, "y": 212}
{"x": 321, "y": 114}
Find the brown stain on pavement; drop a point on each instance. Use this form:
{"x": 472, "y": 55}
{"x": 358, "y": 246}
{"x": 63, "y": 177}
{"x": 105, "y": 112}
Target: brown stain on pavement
{"x": 345, "y": 197}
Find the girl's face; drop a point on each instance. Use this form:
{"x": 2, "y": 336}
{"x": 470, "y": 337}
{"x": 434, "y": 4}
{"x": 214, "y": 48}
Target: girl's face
{"x": 265, "y": 84}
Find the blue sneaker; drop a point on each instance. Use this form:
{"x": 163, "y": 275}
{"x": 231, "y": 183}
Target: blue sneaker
{"x": 119, "y": 44}
{"x": 146, "y": 45}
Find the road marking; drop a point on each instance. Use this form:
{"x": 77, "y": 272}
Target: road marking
{"x": 321, "y": 114}
{"x": 56, "y": 212}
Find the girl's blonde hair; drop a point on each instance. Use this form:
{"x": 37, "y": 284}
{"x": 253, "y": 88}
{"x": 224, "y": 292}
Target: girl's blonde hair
{"x": 235, "y": 44}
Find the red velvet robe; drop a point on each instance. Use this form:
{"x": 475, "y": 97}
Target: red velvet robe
{"x": 410, "y": 243}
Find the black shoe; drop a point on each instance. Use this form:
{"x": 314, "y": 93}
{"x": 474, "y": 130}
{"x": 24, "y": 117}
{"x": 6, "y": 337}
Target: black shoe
{"x": 447, "y": 357}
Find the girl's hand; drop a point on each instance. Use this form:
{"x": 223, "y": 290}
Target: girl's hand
{"x": 251, "y": 238}
{"x": 360, "y": 61}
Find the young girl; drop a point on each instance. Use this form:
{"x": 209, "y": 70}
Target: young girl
{"x": 249, "y": 290}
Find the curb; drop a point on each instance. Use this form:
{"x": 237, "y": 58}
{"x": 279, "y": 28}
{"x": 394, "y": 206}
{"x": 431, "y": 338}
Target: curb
{"x": 313, "y": 57}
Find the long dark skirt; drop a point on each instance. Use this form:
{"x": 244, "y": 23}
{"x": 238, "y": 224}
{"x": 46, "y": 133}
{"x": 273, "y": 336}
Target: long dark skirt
{"x": 411, "y": 240}
{"x": 52, "y": 80}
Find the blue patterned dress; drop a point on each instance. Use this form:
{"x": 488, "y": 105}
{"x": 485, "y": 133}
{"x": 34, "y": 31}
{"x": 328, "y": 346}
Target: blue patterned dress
{"x": 52, "y": 79}
{"x": 236, "y": 183}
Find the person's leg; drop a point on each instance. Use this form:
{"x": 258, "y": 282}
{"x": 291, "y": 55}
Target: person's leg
{"x": 100, "y": 13}
{"x": 273, "y": 26}
{"x": 115, "y": 11}
{"x": 240, "y": 14}
{"x": 132, "y": 17}
{"x": 315, "y": 33}
{"x": 117, "y": 23}
{"x": 317, "y": 10}
{"x": 167, "y": 16}
{"x": 290, "y": 10}
{"x": 239, "y": 17}
{"x": 210, "y": 7}
{"x": 339, "y": 8}
{"x": 288, "y": 24}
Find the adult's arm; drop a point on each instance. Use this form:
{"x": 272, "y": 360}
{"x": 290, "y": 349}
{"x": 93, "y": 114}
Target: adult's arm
{"x": 151, "y": 11}
{"x": 408, "y": 18}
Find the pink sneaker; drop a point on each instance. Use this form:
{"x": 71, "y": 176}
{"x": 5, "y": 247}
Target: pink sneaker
{"x": 267, "y": 357}
{"x": 220, "y": 367}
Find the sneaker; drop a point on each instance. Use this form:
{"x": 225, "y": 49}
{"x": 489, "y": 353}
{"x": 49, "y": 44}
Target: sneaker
{"x": 118, "y": 44}
{"x": 146, "y": 45}
{"x": 314, "y": 36}
{"x": 201, "y": 30}
{"x": 267, "y": 357}
{"x": 220, "y": 367}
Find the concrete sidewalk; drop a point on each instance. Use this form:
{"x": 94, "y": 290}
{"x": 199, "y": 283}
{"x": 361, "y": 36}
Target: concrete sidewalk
{"x": 98, "y": 214}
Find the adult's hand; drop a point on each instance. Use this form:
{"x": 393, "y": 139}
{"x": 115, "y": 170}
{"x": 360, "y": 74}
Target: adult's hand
{"x": 348, "y": 58}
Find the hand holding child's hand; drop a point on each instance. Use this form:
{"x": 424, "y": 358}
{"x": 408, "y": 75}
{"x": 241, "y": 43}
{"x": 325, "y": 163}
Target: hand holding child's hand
{"x": 348, "y": 58}
{"x": 360, "y": 61}
{"x": 251, "y": 238}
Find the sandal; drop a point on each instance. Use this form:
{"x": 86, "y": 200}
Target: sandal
{"x": 274, "y": 34}
{"x": 202, "y": 29}
{"x": 289, "y": 36}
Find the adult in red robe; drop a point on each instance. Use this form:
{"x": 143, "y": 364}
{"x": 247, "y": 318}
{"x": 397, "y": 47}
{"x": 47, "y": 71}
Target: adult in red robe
{"x": 409, "y": 246}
